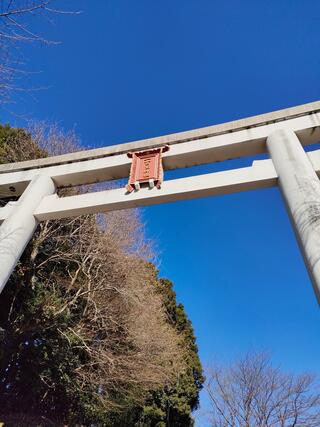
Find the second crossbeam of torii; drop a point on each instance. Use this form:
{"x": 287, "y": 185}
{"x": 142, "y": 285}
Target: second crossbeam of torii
{"x": 282, "y": 134}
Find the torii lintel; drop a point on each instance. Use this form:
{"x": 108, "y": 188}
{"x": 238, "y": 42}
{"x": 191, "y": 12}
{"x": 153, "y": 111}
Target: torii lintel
{"x": 281, "y": 134}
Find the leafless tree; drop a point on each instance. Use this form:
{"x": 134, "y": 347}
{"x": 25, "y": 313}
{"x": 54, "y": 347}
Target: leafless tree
{"x": 253, "y": 393}
{"x": 18, "y": 22}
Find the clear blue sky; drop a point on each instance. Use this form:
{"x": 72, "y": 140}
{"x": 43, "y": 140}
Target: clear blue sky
{"x": 128, "y": 70}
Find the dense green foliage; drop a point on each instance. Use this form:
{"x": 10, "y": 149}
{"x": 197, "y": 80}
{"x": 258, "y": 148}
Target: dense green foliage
{"x": 31, "y": 343}
{"x": 41, "y": 354}
{"x": 173, "y": 405}
{"x": 17, "y": 145}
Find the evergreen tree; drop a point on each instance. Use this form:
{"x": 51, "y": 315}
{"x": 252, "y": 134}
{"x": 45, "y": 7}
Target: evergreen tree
{"x": 173, "y": 406}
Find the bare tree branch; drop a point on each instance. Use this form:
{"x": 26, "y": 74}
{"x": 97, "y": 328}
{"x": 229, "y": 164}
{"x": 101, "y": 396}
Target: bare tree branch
{"x": 18, "y": 19}
{"x": 252, "y": 393}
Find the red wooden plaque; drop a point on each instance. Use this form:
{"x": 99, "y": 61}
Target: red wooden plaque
{"x": 146, "y": 167}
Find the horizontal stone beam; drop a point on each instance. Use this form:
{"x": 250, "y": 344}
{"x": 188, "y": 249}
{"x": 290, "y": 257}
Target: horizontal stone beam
{"x": 173, "y": 139}
{"x": 260, "y": 175}
{"x": 245, "y": 142}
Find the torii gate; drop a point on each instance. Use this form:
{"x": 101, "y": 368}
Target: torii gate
{"x": 282, "y": 134}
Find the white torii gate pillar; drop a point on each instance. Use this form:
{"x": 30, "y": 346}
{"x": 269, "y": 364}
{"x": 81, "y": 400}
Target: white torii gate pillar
{"x": 300, "y": 188}
{"x": 17, "y": 230}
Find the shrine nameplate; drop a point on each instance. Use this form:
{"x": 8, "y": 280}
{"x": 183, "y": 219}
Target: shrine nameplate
{"x": 147, "y": 168}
